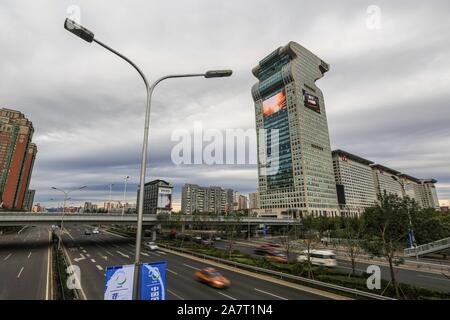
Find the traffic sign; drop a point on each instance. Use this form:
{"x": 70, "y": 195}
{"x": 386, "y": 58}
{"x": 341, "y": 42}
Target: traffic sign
{"x": 153, "y": 281}
{"x": 119, "y": 283}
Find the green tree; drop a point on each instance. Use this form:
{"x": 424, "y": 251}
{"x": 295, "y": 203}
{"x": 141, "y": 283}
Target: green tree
{"x": 386, "y": 228}
{"x": 429, "y": 225}
{"x": 352, "y": 232}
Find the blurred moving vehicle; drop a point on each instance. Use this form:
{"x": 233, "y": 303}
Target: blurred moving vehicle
{"x": 95, "y": 231}
{"x": 265, "y": 248}
{"x": 276, "y": 256}
{"x": 207, "y": 242}
{"x": 213, "y": 278}
{"x": 325, "y": 258}
{"x": 151, "y": 246}
{"x": 87, "y": 232}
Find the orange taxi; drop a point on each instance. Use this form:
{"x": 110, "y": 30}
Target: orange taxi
{"x": 212, "y": 277}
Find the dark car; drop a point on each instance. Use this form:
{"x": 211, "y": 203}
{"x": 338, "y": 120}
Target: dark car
{"x": 87, "y": 232}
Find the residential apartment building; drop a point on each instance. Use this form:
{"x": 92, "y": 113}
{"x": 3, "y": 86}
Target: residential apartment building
{"x": 295, "y": 171}
{"x": 29, "y": 200}
{"x": 253, "y": 200}
{"x": 17, "y": 156}
{"x": 197, "y": 199}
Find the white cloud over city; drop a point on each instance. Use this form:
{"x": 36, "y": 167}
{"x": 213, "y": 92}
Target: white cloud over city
{"x": 387, "y": 93}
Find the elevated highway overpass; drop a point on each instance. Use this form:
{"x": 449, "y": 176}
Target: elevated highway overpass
{"x": 21, "y": 219}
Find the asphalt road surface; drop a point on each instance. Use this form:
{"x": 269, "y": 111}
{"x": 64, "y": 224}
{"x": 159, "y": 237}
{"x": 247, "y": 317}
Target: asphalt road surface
{"x": 24, "y": 265}
{"x": 93, "y": 253}
{"x": 418, "y": 278}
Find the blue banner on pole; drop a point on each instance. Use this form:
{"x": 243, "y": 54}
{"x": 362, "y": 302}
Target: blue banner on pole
{"x": 153, "y": 281}
{"x": 119, "y": 283}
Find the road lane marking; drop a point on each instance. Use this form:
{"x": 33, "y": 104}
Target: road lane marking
{"x": 130, "y": 245}
{"x": 48, "y": 296}
{"x": 7, "y": 257}
{"x": 175, "y": 273}
{"x": 190, "y": 266}
{"x": 88, "y": 255}
{"x": 225, "y": 295}
{"x": 93, "y": 261}
{"x": 99, "y": 267}
{"x": 270, "y": 294}
{"x": 82, "y": 257}
{"x": 145, "y": 254}
{"x": 158, "y": 255}
{"x": 123, "y": 254}
{"x": 109, "y": 253}
{"x": 29, "y": 255}
{"x": 18, "y": 232}
{"x": 20, "y": 272}
{"x": 84, "y": 251}
{"x": 170, "y": 291}
{"x": 162, "y": 252}
{"x": 434, "y": 278}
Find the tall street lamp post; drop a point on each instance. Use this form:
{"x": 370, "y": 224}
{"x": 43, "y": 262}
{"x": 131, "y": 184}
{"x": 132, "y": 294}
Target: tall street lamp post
{"x": 66, "y": 197}
{"x": 88, "y": 36}
{"x": 124, "y": 194}
{"x": 411, "y": 239}
{"x": 110, "y": 196}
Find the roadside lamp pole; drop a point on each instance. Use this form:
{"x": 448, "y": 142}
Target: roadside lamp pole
{"x": 88, "y": 36}
{"x": 66, "y": 197}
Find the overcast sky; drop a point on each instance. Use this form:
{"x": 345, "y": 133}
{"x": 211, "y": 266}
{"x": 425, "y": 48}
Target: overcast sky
{"x": 387, "y": 93}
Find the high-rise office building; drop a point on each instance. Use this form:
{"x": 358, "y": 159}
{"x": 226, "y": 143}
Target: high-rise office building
{"x": 17, "y": 155}
{"x": 294, "y": 161}
{"x": 197, "y": 199}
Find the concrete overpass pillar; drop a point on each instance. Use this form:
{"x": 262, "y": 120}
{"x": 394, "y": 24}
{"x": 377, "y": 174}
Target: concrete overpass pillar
{"x": 153, "y": 235}
{"x": 183, "y": 226}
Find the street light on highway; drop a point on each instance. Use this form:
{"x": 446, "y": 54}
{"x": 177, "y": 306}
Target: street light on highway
{"x": 411, "y": 239}
{"x": 89, "y": 36}
{"x": 66, "y": 197}
{"x": 124, "y": 194}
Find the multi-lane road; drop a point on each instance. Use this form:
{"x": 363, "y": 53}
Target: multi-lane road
{"x": 93, "y": 253}
{"x": 430, "y": 280}
{"x": 25, "y": 265}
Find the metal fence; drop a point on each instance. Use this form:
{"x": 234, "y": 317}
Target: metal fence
{"x": 281, "y": 275}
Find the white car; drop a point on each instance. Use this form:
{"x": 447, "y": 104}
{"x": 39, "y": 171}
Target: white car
{"x": 95, "y": 231}
{"x": 152, "y": 246}
{"x": 324, "y": 258}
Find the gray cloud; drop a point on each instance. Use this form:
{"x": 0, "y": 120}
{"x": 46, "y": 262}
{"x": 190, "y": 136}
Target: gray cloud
{"x": 386, "y": 94}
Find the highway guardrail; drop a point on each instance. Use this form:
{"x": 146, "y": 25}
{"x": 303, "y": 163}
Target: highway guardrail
{"x": 282, "y": 275}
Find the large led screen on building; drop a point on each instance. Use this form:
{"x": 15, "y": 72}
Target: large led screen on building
{"x": 274, "y": 104}
{"x": 311, "y": 102}
{"x": 164, "y": 198}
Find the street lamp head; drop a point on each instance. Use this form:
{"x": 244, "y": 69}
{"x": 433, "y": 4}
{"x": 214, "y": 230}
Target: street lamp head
{"x": 218, "y": 73}
{"x": 78, "y": 30}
